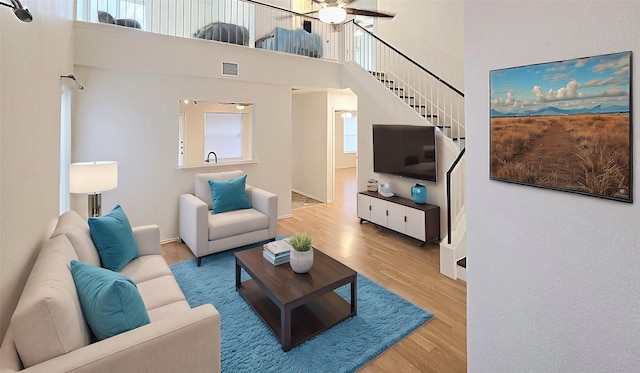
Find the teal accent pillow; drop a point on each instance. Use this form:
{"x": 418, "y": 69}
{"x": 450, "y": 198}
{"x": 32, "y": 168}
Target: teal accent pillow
{"x": 229, "y": 194}
{"x": 110, "y": 301}
{"x": 114, "y": 239}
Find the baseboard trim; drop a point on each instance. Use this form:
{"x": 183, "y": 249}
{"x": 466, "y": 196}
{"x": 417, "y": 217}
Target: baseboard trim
{"x": 169, "y": 240}
{"x": 307, "y": 195}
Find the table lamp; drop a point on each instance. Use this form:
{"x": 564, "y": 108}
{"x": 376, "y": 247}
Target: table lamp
{"x": 93, "y": 178}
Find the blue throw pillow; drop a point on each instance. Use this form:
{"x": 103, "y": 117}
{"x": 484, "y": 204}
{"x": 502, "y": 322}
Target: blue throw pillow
{"x": 229, "y": 194}
{"x": 110, "y": 301}
{"x": 114, "y": 239}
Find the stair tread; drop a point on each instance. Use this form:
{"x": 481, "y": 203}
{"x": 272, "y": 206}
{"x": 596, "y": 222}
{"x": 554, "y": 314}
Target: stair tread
{"x": 462, "y": 262}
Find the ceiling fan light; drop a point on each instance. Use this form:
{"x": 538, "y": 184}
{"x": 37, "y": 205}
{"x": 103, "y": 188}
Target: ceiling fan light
{"x": 332, "y": 14}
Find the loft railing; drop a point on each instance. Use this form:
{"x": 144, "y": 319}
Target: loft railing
{"x": 244, "y": 22}
{"x": 438, "y": 101}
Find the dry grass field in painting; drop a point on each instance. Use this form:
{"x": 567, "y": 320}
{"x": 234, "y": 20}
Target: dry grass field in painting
{"x": 587, "y": 153}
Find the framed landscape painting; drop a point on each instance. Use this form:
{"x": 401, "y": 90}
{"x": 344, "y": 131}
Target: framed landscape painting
{"x": 564, "y": 125}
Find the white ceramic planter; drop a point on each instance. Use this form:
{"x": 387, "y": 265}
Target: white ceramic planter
{"x": 301, "y": 261}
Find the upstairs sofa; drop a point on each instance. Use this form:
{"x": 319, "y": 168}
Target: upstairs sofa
{"x": 224, "y": 32}
{"x": 206, "y": 229}
{"x": 104, "y": 17}
{"x": 49, "y": 332}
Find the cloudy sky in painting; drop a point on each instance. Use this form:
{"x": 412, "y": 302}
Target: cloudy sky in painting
{"x": 574, "y": 84}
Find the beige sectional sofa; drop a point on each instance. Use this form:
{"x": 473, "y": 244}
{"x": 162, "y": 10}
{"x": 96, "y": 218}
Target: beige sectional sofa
{"x": 48, "y": 331}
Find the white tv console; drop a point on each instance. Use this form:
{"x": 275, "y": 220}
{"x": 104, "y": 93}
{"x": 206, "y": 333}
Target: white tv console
{"x": 419, "y": 221}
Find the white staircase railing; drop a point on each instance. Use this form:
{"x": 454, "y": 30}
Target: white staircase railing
{"x": 437, "y": 101}
{"x": 456, "y": 191}
{"x": 454, "y": 247}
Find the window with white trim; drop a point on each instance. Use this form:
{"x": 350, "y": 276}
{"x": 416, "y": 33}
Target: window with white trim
{"x": 228, "y": 135}
{"x": 350, "y": 130}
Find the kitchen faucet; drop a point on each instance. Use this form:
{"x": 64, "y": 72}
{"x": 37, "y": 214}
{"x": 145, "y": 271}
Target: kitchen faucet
{"x": 209, "y": 156}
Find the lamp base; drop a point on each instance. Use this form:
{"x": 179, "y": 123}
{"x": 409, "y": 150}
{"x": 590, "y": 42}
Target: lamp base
{"x": 94, "y": 204}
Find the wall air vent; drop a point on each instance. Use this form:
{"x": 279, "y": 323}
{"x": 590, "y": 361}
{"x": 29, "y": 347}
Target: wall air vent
{"x": 230, "y": 68}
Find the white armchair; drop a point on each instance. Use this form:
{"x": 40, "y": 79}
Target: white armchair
{"x": 206, "y": 233}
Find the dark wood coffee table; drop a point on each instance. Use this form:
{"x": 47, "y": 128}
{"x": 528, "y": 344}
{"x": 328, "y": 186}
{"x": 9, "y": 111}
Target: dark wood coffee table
{"x": 296, "y": 306}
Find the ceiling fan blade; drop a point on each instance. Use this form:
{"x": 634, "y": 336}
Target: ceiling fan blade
{"x": 368, "y": 13}
{"x": 303, "y": 15}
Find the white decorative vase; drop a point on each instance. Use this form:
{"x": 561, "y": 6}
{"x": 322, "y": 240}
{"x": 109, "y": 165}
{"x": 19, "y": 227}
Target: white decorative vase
{"x": 301, "y": 261}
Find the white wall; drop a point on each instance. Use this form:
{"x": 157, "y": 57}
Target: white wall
{"x": 309, "y": 147}
{"x": 429, "y": 32}
{"x": 553, "y": 276}
{"x": 29, "y": 137}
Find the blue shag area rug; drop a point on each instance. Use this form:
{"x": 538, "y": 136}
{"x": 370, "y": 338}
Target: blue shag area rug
{"x": 248, "y": 345}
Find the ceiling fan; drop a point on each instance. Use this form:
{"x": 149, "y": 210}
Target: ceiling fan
{"x": 335, "y": 11}
{"x": 23, "y": 14}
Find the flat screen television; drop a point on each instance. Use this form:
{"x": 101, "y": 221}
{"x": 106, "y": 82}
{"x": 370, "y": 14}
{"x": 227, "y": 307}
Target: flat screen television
{"x": 405, "y": 150}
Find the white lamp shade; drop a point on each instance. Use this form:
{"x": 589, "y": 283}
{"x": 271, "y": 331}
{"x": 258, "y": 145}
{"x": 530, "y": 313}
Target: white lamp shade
{"x": 332, "y": 14}
{"x": 93, "y": 177}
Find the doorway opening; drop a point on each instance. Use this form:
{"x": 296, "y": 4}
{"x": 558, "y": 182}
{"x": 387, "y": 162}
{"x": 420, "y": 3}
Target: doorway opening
{"x": 324, "y": 138}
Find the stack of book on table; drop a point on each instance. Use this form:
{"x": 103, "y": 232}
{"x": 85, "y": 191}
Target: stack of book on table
{"x": 277, "y": 252}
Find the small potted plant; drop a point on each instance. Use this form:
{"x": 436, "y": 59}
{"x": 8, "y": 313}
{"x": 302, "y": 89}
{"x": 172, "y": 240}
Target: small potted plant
{"x": 301, "y": 257}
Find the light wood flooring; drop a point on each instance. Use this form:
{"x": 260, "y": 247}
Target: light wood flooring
{"x": 298, "y": 201}
{"x": 393, "y": 261}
